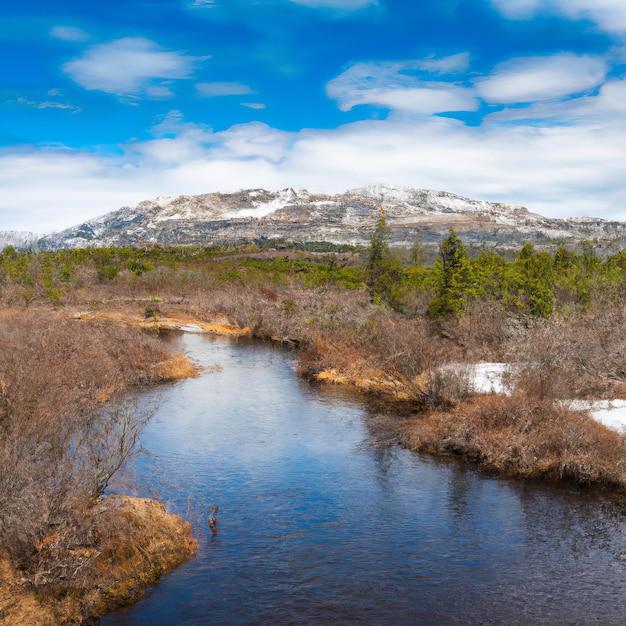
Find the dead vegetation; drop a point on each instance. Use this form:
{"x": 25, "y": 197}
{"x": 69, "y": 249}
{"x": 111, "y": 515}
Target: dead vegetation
{"x": 67, "y": 424}
{"x": 101, "y": 564}
{"x": 522, "y": 437}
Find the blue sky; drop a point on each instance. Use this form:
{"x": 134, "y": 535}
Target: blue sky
{"x": 110, "y": 103}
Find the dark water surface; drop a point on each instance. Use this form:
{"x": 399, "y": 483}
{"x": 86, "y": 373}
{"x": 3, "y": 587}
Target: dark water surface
{"x": 318, "y": 525}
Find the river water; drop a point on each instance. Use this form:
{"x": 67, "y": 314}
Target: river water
{"x": 317, "y": 524}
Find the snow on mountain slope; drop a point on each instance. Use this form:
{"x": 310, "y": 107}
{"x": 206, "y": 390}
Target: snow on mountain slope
{"x": 257, "y": 214}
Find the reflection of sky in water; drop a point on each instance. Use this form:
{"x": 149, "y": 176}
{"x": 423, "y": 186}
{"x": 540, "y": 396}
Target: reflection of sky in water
{"x": 318, "y": 526}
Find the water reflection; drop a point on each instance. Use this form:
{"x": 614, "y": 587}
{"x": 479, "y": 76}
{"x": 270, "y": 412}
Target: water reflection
{"x": 319, "y": 523}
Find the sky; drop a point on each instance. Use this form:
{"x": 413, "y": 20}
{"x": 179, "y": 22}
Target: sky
{"x": 105, "y": 104}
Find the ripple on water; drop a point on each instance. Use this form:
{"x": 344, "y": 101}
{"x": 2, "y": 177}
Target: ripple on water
{"x": 316, "y": 525}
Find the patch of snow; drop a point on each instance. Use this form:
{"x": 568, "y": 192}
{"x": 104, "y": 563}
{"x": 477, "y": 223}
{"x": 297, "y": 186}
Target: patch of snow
{"x": 261, "y": 209}
{"x": 192, "y": 328}
{"x": 483, "y": 377}
{"x": 489, "y": 378}
{"x": 454, "y": 203}
{"x": 611, "y": 413}
{"x": 163, "y": 218}
{"x": 385, "y": 193}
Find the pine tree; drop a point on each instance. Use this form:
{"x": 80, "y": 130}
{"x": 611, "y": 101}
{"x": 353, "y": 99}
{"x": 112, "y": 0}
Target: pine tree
{"x": 384, "y": 274}
{"x": 453, "y": 278}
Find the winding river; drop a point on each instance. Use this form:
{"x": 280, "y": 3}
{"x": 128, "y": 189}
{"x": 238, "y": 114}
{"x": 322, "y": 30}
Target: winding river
{"x": 318, "y": 524}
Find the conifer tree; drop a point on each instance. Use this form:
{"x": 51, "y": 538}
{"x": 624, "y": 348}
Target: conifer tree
{"x": 384, "y": 274}
{"x": 453, "y": 278}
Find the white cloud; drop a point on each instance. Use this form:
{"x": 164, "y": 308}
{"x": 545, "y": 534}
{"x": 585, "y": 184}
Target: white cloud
{"x": 65, "y": 182}
{"x": 530, "y": 79}
{"x": 126, "y": 67}
{"x": 559, "y": 171}
{"x": 254, "y": 105}
{"x": 223, "y": 89}
{"x": 47, "y": 104}
{"x": 397, "y": 85}
{"x": 159, "y": 92}
{"x": 69, "y": 33}
{"x": 609, "y": 15}
{"x": 445, "y": 65}
{"x": 608, "y": 106}
{"x": 349, "y": 5}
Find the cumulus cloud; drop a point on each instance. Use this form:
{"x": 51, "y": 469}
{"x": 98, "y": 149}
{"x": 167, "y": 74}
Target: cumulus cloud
{"x": 557, "y": 171}
{"x": 403, "y": 85}
{"x": 608, "y": 106}
{"x": 530, "y": 79}
{"x": 609, "y": 15}
{"x": 66, "y": 180}
{"x": 128, "y": 66}
{"x": 223, "y": 89}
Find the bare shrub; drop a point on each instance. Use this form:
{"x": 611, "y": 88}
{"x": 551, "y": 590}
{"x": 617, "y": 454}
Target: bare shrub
{"x": 572, "y": 356}
{"x": 59, "y": 442}
{"x": 522, "y": 437}
{"x": 487, "y": 331}
{"x": 450, "y": 383}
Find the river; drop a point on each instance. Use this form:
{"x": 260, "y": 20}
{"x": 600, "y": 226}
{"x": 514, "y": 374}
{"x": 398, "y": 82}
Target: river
{"x": 319, "y": 524}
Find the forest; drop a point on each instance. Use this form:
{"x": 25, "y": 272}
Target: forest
{"x": 79, "y": 334}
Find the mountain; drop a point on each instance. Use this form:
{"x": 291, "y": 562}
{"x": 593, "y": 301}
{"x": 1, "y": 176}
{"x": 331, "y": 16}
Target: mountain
{"x": 349, "y": 218}
{"x": 19, "y": 240}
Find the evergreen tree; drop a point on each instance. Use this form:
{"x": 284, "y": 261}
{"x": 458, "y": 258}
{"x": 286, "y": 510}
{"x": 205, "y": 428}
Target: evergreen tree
{"x": 453, "y": 278}
{"x": 384, "y": 274}
{"x": 379, "y": 252}
{"x": 530, "y": 281}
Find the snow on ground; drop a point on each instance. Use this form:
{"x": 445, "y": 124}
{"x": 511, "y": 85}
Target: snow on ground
{"x": 482, "y": 377}
{"x": 384, "y": 192}
{"x": 611, "y": 413}
{"x": 490, "y": 378}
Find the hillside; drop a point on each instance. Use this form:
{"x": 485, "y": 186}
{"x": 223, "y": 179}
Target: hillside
{"x": 348, "y": 218}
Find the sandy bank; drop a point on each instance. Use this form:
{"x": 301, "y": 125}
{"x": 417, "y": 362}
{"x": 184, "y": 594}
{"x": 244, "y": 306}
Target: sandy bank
{"x": 175, "y": 321}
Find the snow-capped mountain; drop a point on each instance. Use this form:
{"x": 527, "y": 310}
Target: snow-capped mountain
{"x": 20, "y": 240}
{"x": 257, "y": 214}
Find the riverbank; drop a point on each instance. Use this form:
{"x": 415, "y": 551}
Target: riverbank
{"x": 69, "y": 553}
{"x": 126, "y": 545}
{"x": 518, "y": 435}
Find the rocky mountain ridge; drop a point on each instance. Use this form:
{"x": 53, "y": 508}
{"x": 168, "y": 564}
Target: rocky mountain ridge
{"x": 257, "y": 215}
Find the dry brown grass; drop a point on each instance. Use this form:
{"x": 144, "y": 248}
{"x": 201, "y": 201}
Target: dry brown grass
{"x": 175, "y": 367}
{"x": 521, "y": 437}
{"x": 67, "y": 424}
{"x": 105, "y": 564}
{"x": 18, "y": 605}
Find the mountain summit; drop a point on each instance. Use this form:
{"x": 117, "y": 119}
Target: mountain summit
{"x": 348, "y": 218}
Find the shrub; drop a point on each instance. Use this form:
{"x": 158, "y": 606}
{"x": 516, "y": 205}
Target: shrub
{"x": 65, "y": 428}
